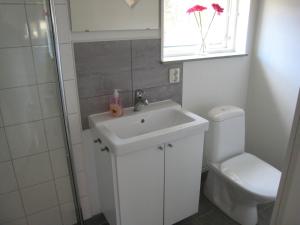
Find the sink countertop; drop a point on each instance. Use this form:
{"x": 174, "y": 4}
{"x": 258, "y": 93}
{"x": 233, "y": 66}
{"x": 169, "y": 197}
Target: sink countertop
{"x": 101, "y": 117}
{"x": 120, "y": 146}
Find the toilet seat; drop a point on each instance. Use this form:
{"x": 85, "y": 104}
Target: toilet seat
{"x": 252, "y": 174}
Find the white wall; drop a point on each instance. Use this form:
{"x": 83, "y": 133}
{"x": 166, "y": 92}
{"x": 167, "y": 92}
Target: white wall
{"x": 287, "y": 205}
{"x": 214, "y": 82}
{"x": 274, "y": 80}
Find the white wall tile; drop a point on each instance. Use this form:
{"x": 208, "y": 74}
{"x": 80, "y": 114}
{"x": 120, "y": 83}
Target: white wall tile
{"x": 34, "y": 1}
{"x": 50, "y": 100}
{"x": 4, "y": 153}
{"x": 16, "y": 67}
{"x": 64, "y": 191}
{"x": 45, "y": 65}
{"x": 26, "y": 139}
{"x": 33, "y": 170}
{"x": 11, "y": 1}
{"x": 21, "y": 221}
{"x": 78, "y": 157}
{"x": 48, "y": 217}
{"x": 38, "y": 25}
{"x": 13, "y": 28}
{"x": 68, "y": 213}
{"x": 63, "y": 23}
{"x": 1, "y": 121}
{"x": 20, "y": 105}
{"x": 39, "y": 197}
{"x": 71, "y": 96}
{"x": 8, "y": 181}
{"x": 60, "y": 1}
{"x": 67, "y": 60}
{"x": 54, "y": 133}
{"x": 59, "y": 162}
{"x": 82, "y": 184}
{"x": 86, "y": 210}
{"x": 75, "y": 128}
{"x": 10, "y": 207}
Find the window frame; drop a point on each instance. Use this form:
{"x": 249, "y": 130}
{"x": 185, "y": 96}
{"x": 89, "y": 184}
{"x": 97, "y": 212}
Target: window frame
{"x": 239, "y": 48}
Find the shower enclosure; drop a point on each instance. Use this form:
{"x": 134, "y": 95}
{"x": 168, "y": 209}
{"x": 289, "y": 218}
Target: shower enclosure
{"x": 37, "y": 181}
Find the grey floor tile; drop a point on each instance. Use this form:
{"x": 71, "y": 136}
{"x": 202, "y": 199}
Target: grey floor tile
{"x": 208, "y": 215}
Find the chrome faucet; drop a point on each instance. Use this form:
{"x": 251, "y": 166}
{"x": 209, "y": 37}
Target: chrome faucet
{"x": 139, "y": 100}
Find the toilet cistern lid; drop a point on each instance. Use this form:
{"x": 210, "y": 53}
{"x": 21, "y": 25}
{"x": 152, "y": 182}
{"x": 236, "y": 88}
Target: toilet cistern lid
{"x": 252, "y": 174}
{"x": 221, "y": 113}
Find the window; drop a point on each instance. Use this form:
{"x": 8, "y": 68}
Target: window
{"x": 214, "y": 28}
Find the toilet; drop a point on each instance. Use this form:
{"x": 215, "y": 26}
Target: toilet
{"x": 237, "y": 181}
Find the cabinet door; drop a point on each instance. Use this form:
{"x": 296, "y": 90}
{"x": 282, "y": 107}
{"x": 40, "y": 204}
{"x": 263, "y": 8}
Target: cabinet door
{"x": 183, "y": 165}
{"x": 141, "y": 186}
{"x": 106, "y": 184}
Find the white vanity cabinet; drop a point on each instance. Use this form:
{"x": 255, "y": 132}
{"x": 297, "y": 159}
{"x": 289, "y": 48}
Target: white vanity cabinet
{"x": 107, "y": 189}
{"x": 159, "y": 185}
{"x": 183, "y": 165}
{"x": 141, "y": 187}
{"x": 149, "y": 164}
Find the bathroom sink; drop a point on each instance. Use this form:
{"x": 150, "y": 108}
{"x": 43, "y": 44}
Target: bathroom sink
{"x": 154, "y": 125}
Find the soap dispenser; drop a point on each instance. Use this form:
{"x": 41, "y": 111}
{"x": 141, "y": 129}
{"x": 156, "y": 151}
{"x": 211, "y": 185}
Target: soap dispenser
{"x": 115, "y": 105}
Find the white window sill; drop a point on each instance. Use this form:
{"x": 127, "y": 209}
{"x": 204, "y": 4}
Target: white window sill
{"x": 202, "y": 57}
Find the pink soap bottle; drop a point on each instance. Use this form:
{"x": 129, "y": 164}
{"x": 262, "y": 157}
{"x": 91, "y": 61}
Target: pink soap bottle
{"x": 115, "y": 104}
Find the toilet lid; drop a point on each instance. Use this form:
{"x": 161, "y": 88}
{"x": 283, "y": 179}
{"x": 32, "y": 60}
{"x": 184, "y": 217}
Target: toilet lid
{"x": 252, "y": 174}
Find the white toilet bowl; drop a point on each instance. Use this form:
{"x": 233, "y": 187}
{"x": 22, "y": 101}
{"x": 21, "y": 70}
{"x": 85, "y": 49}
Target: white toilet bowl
{"x": 237, "y": 181}
{"x": 239, "y": 184}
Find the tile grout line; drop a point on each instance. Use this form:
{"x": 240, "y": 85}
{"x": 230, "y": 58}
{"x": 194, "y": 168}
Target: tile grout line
{"x": 13, "y": 162}
{"x": 29, "y": 85}
{"x": 47, "y": 142}
{"x": 50, "y": 162}
{"x": 40, "y": 183}
{"x": 36, "y": 85}
{"x": 29, "y": 45}
{"x": 17, "y": 181}
{"x": 38, "y": 120}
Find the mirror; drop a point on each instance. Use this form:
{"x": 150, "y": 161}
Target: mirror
{"x": 109, "y": 15}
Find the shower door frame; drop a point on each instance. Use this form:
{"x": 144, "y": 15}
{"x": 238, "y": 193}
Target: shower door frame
{"x": 66, "y": 126}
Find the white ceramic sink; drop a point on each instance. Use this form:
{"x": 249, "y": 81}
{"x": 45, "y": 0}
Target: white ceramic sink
{"x": 154, "y": 125}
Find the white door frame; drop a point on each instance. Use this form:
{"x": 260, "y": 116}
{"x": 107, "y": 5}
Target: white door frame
{"x": 288, "y": 196}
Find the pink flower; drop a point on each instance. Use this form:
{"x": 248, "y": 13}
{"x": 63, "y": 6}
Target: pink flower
{"x": 196, "y": 8}
{"x": 217, "y": 8}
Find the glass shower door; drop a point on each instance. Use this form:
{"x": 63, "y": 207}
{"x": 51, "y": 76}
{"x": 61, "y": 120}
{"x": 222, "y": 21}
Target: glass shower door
{"x": 35, "y": 185}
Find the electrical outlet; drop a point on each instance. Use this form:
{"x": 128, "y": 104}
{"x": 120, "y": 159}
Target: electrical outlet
{"x": 174, "y": 75}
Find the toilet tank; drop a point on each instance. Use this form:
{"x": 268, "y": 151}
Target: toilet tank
{"x": 226, "y": 136}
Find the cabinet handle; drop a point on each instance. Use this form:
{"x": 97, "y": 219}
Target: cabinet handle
{"x": 170, "y": 145}
{"x": 160, "y": 148}
{"x": 98, "y": 140}
{"x": 106, "y": 149}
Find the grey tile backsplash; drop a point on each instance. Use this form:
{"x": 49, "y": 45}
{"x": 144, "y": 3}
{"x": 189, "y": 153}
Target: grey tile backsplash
{"x": 126, "y": 65}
